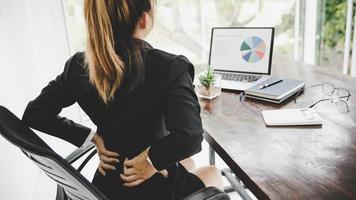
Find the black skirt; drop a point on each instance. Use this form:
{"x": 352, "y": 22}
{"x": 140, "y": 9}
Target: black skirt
{"x": 157, "y": 187}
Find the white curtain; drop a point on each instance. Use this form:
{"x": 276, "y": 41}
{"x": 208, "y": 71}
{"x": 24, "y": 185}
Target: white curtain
{"x": 33, "y": 50}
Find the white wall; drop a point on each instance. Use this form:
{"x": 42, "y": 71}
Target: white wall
{"x": 33, "y": 50}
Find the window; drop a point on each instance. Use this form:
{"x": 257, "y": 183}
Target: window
{"x": 332, "y": 33}
{"x": 309, "y": 31}
{"x": 184, "y": 26}
{"x": 75, "y": 24}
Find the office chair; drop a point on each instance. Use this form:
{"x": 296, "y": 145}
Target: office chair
{"x": 71, "y": 185}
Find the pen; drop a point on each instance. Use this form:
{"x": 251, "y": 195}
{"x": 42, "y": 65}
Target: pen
{"x": 270, "y": 84}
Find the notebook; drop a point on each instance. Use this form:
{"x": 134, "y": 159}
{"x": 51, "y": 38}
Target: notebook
{"x": 276, "y": 93}
{"x": 291, "y": 117}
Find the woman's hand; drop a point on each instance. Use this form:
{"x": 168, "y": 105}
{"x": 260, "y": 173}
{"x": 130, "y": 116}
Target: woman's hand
{"x": 137, "y": 170}
{"x": 107, "y": 158}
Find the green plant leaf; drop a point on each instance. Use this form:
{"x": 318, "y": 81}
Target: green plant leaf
{"x": 207, "y": 79}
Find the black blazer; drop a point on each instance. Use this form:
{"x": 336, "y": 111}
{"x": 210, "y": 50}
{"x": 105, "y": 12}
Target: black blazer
{"x": 165, "y": 114}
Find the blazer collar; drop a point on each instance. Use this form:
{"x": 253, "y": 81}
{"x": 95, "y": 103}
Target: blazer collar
{"x": 144, "y": 44}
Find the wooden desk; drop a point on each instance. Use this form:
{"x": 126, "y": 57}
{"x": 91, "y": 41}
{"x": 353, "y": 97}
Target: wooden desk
{"x": 287, "y": 163}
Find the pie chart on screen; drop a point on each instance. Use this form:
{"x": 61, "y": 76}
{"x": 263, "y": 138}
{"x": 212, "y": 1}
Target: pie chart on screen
{"x": 253, "y": 49}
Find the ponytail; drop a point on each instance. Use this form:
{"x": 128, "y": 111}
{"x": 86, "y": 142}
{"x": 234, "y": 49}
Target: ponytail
{"x": 111, "y": 52}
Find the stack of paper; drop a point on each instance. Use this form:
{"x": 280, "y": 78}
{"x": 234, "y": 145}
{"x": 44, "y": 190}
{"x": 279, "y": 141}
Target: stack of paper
{"x": 291, "y": 117}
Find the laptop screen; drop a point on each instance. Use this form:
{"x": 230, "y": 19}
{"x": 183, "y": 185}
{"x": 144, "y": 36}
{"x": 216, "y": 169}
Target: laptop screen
{"x": 246, "y": 50}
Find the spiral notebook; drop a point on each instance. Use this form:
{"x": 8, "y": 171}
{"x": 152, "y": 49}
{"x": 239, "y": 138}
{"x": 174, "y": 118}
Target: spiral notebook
{"x": 276, "y": 93}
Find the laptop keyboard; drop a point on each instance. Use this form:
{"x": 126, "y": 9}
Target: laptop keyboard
{"x": 238, "y": 77}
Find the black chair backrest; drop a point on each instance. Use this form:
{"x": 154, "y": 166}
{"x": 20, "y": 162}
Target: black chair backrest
{"x": 74, "y": 184}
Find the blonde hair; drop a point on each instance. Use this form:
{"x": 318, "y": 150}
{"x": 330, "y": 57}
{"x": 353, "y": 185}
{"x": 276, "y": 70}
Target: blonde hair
{"x": 111, "y": 50}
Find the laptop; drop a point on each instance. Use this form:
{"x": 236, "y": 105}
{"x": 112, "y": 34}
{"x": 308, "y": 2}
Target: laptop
{"x": 241, "y": 55}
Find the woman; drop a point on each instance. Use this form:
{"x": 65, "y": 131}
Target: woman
{"x": 141, "y": 99}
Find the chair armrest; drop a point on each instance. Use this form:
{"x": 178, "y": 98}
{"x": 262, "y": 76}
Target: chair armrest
{"x": 81, "y": 151}
{"x": 209, "y": 193}
{"x": 71, "y": 158}
{"x": 87, "y": 159}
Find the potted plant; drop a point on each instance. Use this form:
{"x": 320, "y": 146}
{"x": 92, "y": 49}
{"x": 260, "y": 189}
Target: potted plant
{"x": 209, "y": 85}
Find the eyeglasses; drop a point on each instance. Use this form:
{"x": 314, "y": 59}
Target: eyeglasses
{"x": 328, "y": 93}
